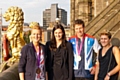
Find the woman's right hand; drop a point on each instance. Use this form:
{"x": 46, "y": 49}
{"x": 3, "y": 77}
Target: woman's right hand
{"x": 107, "y": 77}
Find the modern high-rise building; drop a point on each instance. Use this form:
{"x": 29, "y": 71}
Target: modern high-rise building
{"x": 49, "y": 15}
{"x": 62, "y": 16}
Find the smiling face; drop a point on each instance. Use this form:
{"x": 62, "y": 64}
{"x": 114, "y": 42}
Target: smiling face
{"x": 35, "y": 35}
{"x": 79, "y": 30}
{"x": 104, "y": 40}
{"x": 58, "y": 34}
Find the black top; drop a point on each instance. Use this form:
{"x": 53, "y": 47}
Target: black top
{"x": 104, "y": 62}
{"x": 57, "y": 61}
{"x": 60, "y": 62}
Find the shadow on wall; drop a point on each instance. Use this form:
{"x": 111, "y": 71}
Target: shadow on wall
{"x": 116, "y": 42}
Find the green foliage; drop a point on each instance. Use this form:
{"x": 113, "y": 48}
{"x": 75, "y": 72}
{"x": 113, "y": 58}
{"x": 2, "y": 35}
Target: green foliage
{"x": 26, "y": 37}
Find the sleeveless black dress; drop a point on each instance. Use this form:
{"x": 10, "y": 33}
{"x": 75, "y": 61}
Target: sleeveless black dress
{"x": 104, "y": 62}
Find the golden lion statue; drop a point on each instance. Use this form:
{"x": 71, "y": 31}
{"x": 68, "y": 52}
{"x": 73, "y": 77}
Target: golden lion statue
{"x": 15, "y": 29}
{"x": 14, "y": 38}
{"x": 14, "y": 35}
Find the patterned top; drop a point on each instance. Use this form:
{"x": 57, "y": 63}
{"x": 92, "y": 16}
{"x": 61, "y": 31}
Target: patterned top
{"x": 40, "y": 76}
{"x": 83, "y": 65}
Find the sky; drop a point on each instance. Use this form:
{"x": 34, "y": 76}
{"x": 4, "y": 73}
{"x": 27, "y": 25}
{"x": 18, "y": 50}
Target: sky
{"x": 33, "y": 9}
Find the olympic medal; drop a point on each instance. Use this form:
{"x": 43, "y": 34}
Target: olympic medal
{"x": 79, "y": 58}
{"x": 38, "y": 70}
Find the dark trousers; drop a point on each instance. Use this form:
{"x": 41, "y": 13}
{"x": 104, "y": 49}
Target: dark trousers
{"x": 79, "y": 78}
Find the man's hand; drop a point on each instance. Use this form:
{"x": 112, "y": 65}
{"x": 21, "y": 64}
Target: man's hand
{"x": 92, "y": 70}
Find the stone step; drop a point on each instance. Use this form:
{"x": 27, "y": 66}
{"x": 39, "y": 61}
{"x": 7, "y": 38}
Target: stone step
{"x": 106, "y": 22}
{"x": 101, "y": 15}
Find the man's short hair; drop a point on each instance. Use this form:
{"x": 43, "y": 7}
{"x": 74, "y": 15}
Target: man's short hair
{"x": 79, "y": 22}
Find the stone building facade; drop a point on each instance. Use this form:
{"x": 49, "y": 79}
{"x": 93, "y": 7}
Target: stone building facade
{"x": 86, "y": 10}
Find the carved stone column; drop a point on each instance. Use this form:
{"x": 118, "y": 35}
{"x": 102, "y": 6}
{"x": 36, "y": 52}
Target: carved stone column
{"x": 80, "y": 9}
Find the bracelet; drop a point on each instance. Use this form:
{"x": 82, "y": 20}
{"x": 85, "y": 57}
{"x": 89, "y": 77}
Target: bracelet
{"x": 108, "y": 74}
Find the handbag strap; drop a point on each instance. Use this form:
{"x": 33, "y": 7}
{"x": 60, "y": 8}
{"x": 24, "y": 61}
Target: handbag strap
{"x": 109, "y": 61}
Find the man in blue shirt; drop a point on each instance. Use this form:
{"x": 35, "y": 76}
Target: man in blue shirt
{"x": 83, "y": 47}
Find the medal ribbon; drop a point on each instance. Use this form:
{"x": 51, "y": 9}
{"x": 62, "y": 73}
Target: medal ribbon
{"x": 38, "y": 57}
{"x": 81, "y": 45}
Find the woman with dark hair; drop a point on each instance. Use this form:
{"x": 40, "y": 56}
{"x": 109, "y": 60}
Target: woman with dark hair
{"x": 59, "y": 62}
